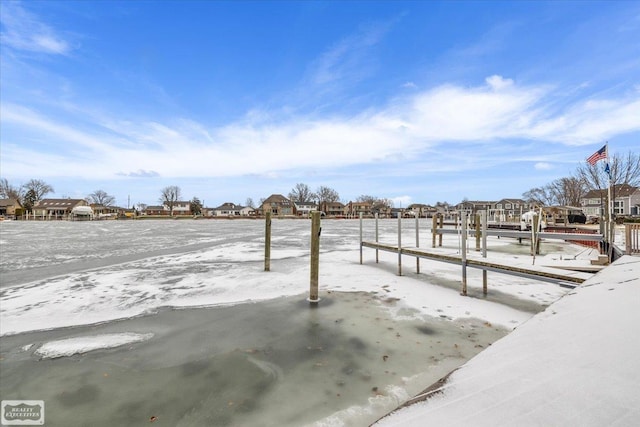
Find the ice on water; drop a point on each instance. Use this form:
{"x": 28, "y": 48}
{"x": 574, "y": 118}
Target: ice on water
{"x": 121, "y": 298}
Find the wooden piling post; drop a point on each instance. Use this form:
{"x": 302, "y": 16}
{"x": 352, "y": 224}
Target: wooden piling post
{"x": 434, "y": 229}
{"x": 441, "y": 222}
{"x": 477, "y": 219}
{"x": 463, "y": 251}
{"x": 399, "y": 244}
{"x": 315, "y": 257}
{"x": 267, "y": 242}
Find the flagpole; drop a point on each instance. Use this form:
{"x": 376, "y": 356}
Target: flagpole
{"x": 610, "y": 227}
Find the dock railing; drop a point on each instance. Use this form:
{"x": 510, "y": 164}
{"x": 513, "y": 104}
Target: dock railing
{"x": 632, "y": 238}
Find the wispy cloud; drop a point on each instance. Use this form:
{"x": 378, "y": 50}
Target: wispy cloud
{"x": 140, "y": 173}
{"x": 407, "y": 130}
{"x": 23, "y": 31}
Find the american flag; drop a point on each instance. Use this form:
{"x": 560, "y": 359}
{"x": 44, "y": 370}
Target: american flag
{"x": 598, "y": 155}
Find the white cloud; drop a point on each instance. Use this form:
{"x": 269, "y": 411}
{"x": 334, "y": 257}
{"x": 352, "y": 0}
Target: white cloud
{"x": 543, "y": 166}
{"x": 496, "y": 82}
{"x": 24, "y": 31}
{"x": 402, "y": 132}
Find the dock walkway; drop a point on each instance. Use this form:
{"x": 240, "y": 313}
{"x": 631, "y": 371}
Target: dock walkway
{"x": 548, "y": 274}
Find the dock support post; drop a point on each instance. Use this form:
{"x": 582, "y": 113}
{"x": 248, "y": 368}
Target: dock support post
{"x": 267, "y": 242}
{"x": 463, "y": 251}
{"x": 534, "y": 234}
{"x": 399, "y": 244}
{"x": 441, "y": 225}
{"x": 360, "y": 237}
{"x": 483, "y": 220}
{"x": 477, "y": 219}
{"x": 417, "y": 243}
{"x": 434, "y": 227}
{"x": 315, "y": 257}
{"x": 377, "y": 238}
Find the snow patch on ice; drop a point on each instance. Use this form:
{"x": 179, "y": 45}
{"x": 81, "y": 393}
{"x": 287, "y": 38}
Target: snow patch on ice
{"x": 79, "y": 345}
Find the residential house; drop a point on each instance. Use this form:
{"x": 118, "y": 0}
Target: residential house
{"x": 182, "y": 208}
{"x": 512, "y": 209}
{"x": 105, "y": 212}
{"x": 335, "y": 209}
{"x": 229, "y": 209}
{"x": 420, "y": 210}
{"x": 10, "y": 208}
{"x": 278, "y": 205}
{"x": 156, "y": 210}
{"x": 474, "y": 206}
{"x": 56, "y": 208}
{"x": 354, "y": 209}
{"x": 304, "y": 209}
{"x": 626, "y": 201}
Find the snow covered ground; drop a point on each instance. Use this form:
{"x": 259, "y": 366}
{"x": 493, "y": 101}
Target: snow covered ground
{"x": 66, "y": 275}
{"x": 574, "y": 364}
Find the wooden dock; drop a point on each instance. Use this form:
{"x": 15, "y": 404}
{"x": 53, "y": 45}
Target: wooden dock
{"x": 541, "y": 273}
{"x": 547, "y": 274}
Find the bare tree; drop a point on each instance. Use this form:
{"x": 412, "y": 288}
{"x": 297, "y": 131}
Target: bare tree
{"x": 326, "y": 194}
{"x": 8, "y": 191}
{"x": 623, "y": 170}
{"x": 249, "y": 203}
{"x": 365, "y": 198}
{"x": 169, "y": 196}
{"x": 300, "y": 193}
{"x": 38, "y": 188}
{"x": 141, "y": 207}
{"x": 539, "y": 195}
{"x": 100, "y": 197}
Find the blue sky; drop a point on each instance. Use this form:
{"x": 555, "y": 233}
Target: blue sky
{"x": 416, "y": 101}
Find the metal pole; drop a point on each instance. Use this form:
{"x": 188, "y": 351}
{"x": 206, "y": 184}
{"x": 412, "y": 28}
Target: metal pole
{"x": 463, "y": 251}
{"x": 399, "y": 244}
{"x": 315, "y": 257}
{"x": 376, "y": 237}
{"x": 417, "y": 244}
{"x": 484, "y": 249}
{"x": 477, "y": 219}
{"x": 360, "y": 237}
{"x": 267, "y": 242}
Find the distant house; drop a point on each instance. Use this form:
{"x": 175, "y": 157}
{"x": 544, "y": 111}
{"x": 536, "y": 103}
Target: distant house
{"x": 513, "y": 208}
{"x": 231, "y": 210}
{"x": 278, "y": 205}
{"x": 9, "y": 208}
{"x": 626, "y": 200}
{"x": 335, "y": 209}
{"x": 474, "y": 206}
{"x": 182, "y": 208}
{"x": 56, "y": 208}
{"x": 156, "y": 210}
{"x": 104, "y": 212}
{"x": 303, "y": 209}
{"x": 354, "y": 209}
{"x": 421, "y": 211}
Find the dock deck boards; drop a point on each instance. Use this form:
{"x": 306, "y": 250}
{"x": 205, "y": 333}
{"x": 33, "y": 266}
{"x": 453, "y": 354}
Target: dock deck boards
{"x": 550, "y": 274}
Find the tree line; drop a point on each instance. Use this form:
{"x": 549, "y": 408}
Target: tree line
{"x": 569, "y": 191}
{"x": 566, "y": 191}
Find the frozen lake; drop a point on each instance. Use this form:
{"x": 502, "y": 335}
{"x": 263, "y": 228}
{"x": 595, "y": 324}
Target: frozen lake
{"x": 175, "y": 322}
